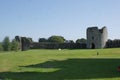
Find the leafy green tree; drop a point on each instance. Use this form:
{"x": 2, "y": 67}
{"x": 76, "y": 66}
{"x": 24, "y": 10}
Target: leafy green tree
{"x": 15, "y": 45}
{"x": 42, "y": 40}
{"x": 6, "y": 44}
{"x": 78, "y": 40}
{"x": 82, "y": 40}
{"x": 69, "y": 41}
{"x": 1, "y": 47}
{"x": 57, "y": 39}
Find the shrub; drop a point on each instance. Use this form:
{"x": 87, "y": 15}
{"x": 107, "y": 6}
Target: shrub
{"x": 14, "y": 45}
{"x": 1, "y": 47}
{"x": 6, "y": 44}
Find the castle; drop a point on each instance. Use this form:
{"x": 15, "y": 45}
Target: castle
{"x": 96, "y": 38}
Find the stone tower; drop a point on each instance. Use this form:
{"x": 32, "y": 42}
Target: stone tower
{"x": 96, "y": 38}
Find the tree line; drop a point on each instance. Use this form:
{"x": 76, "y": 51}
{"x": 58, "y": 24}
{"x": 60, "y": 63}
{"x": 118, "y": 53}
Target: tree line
{"x": 7, "y": 45}
{"x": 56, "y": 42}
{"x": 60, "y": 39}
{"x": 14, "y": 45}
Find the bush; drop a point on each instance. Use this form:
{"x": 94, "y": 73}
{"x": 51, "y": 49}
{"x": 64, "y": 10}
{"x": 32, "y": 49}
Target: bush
{"x": 14, "y": 45}
{"x": 1, "y": 47}
{"x": 56, "y": 39}
{"x": 6, "y": 44}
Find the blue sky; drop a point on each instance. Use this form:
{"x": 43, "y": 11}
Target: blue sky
{"x": 68, "y": 18}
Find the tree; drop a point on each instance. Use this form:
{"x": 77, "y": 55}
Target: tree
{"x": 42, "y": 40}
{"x": 6, "y": 44}
{"x": 1, "y": 47}
{"x": 78, "y": 40}
{"x": 69, "y": 41}
{"x": 30, "y": 40}
{"x": 15, "y": 45}
{"x": 57, "y": 39}
{"x": 82, "y": 40}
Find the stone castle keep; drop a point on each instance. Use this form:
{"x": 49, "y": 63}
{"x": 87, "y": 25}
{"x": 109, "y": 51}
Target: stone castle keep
{"x": 96, "y": 38}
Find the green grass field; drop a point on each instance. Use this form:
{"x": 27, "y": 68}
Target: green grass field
{"x": 80, "y": 64}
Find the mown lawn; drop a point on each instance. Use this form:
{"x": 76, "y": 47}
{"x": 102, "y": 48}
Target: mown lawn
{"x": 80, "y": 64}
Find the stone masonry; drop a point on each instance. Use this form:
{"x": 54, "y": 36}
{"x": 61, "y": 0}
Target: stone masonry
{"x": 96, "y": 38}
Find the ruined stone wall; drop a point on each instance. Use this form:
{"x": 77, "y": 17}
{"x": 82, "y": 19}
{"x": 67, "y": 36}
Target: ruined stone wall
{"x": 52, "y": 45}
{"x": 113, "y": 43}
{"x": 103, "y": 35}
{"x": 96, "y": 38}
{"x": 24, "y": 42}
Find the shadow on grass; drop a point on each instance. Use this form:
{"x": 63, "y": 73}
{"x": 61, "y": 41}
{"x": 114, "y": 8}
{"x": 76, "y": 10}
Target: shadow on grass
{"x": 70, "y": 69}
